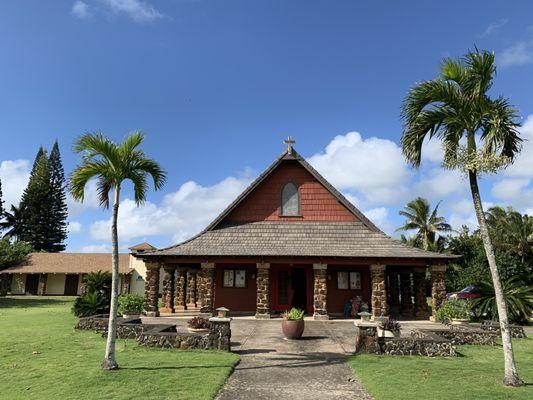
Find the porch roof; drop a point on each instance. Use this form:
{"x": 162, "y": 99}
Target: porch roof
{"x": 292, "y": 239}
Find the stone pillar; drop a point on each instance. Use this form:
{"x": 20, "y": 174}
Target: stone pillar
{"x": 41, "y": 288}
{"x": 394, "y": 293}
{"x": 419, "y": 283}
{"x": 168, "y": 290}
{"x": 263, "y": 291}
{"x": 406, "y": 308}
{"x": 320, "y": 292}
{"x": 191, "y": 289}
{"x": 180, "y": 290}
{"x": 379, "y": 293}
{"x": 438, "y": 287}
{"x": 126, "y": 282}
{"x": 206, "y": 295}
{"x": 151, "y": 290}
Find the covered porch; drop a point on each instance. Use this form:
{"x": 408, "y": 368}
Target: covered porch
{"x": 266, "y": 288}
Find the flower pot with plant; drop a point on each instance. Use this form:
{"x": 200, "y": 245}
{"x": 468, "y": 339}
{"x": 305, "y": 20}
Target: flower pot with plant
{"x": 199, "y": 325}
{"x": 455, "y": 311}
{"x": 293, "y": 324}
{"x": 389, "y": 329}
{"x": 130, "y": 305}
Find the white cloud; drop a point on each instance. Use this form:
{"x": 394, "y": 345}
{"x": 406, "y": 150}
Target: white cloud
{"x": 518, "y": 54}
{"x": 90, "y": 200}
{"x": 440, "y": 183}
{"x": 380, "y": 216}
{"x": 14, "y": 175}
{"x": 374, "y": 167}
{"x": 494, "y": 26}
{"x": 96, "y": 248}
{"x": 523, "y": 164}
{"x": 137, "y": 10}
{"x": 517, "y": 192}
{"x": 80, "y": 10}
{"x": 432, "y": 150}
{"x": 74, "y": 227}
{"x": 180, "y": 215}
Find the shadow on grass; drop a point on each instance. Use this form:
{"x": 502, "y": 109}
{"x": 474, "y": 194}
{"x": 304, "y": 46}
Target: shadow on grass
{"x": 174, "y": 367}
{"x": 33, "y": 301}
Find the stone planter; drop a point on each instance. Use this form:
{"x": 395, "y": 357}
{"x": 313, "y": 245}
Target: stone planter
{"x": 198, "y": 330}
{"x": 292, "y": 329}
{"x": 459, "y": 321}
{"x": 382, "y": 333}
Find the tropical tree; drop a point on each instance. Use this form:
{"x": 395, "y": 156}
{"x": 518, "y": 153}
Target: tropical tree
{"x": 519, "y": 299}
{"x": 12, "y": 223}
{"x": 112, "y": 164}
{"x": 59, "y": 211}
{"x": 511, "y": 231}
{"x": 1, "y": 201}
{"x": 479, "y": 134}
{"x": 427, "y": 224}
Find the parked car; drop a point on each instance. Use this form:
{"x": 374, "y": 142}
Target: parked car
{"x": 468, "y": 292}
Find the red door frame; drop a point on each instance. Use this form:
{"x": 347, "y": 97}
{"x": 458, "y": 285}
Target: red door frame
{"x": 275, "y": 286}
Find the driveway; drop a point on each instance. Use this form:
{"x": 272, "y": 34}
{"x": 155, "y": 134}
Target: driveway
{"x": 274, "y": 368}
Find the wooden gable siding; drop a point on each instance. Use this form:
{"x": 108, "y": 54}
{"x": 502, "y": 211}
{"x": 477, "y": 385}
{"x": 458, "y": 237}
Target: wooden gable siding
{"x": 316, "y": 202}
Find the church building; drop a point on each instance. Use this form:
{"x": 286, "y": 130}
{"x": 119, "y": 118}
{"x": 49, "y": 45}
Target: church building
{"x": 292, "y": 240}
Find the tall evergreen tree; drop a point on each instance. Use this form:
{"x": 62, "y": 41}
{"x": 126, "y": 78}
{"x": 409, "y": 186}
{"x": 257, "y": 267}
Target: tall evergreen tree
{"x": 58, "y": 229}
{"x": 36, "y": 206}
{"x": 1, "y": 201}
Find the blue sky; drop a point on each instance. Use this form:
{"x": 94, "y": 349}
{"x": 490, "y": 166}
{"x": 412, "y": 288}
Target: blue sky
{"x": 218, "y": 85}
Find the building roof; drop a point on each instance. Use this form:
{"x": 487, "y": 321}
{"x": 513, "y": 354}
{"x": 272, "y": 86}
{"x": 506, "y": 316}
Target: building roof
{"x": 144, "y": 246}
{"x": 73, "y": 263}
{"x": 303, "y": 238}
{"x": 359, "y": 238}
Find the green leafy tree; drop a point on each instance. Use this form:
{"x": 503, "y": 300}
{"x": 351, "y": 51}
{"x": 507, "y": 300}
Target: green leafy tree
{"x": 427, "y": 224}
{"x": 36, "y": 205}
{"x": 11, "y": 254}
{"x": 58, "y": 229}
{"x": 113, "y": 164}
{"x": 456, "y": 108}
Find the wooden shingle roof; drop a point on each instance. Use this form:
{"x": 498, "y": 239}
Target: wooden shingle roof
{"x": 359, "y": 238}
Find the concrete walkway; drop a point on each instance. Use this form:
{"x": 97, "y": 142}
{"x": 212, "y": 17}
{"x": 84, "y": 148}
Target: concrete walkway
{"x": 274, "y": 368}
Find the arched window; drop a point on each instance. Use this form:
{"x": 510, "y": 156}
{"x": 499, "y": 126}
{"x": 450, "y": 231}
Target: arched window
{"x": 290, "y": 200}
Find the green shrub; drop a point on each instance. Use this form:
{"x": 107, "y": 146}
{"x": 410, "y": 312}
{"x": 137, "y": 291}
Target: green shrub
{"x": 96, "y": 295}
{"x": 293, "y": 315}
{"x": 90, "y": 304}
{"x": 130, "y": 304}
{"x": 518, "y": 296}
{"x": 453, "y": 308}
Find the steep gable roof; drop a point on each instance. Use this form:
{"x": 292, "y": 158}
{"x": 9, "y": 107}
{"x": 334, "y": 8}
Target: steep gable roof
{"x": 293, "y": 155}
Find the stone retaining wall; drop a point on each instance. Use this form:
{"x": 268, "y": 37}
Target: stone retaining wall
{"x": 418, "y": 347}
{"x": 163, "y": 336}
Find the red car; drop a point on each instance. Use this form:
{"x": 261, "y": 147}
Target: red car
{"x": 468, "y": 292}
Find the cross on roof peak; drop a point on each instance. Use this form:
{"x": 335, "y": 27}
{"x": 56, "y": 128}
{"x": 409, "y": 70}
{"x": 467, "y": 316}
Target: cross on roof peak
{"x": 289, "y": 142}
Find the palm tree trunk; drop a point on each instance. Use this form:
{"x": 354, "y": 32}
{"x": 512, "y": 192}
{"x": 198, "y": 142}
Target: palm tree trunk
{"x": 109, "y": 362}
{"x": 511, "y": 377}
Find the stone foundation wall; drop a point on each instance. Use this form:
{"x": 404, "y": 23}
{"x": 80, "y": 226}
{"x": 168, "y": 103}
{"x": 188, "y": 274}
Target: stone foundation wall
{"x": 517, "y": 331}
{"x": 418, "y": 347}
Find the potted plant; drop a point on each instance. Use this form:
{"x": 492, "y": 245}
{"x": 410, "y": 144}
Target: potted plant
{"x": 455, "y": 311}
{"x": 293, "y": 324}
{"x": 199, "y": 325}
{"x": 130, "y": 305}
{"x": 389, "y": 328}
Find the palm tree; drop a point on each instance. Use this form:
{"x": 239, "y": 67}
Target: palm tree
{"x": 426, "y": 224}
{"x": 112, "y": 164}
{"x": 511, "y": 231}
{"x": 479, "y": 134}
{"x": 12, "y": 222}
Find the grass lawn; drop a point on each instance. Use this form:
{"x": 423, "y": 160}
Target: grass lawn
{"x": 43, "y": 357}
{"x": 477, "y": 374}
